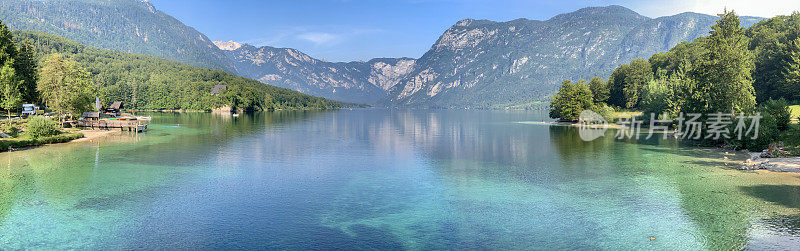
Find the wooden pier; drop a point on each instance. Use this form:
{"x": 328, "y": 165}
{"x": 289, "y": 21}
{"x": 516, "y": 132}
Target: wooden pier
{"x": 124, "y": 125}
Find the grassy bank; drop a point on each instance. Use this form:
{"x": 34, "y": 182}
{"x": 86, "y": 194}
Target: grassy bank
{"x": 6, "y": 144}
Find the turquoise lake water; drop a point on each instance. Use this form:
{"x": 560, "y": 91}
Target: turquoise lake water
{"x": 384, "y": 179}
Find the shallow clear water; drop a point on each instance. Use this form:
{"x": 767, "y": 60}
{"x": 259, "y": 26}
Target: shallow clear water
{"x": 382, "y": 179}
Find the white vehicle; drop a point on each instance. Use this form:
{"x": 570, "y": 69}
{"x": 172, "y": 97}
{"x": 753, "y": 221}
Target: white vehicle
{"x": 29, "y": 109}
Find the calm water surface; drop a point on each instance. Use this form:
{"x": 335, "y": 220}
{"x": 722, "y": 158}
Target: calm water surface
{"x": 382, "y": 179}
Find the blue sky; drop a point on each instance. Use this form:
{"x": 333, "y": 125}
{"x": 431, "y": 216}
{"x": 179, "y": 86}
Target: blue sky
{"x": 348, "y": 30}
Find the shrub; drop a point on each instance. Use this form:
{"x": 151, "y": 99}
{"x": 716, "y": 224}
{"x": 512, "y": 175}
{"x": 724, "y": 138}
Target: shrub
{"x": 61, "y": 138}
{"x": 779, "y": 109}
{"x": 16, "y": 126}
{"x": 5, "y": 145}
{"x": 767, "y": 133}
{"x": 13, "y": 130}
{"x": 40, "y": 126}
{"x": 606, "y": 111}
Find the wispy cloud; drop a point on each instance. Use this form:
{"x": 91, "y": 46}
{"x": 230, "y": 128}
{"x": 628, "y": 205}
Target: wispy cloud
{"x": 315, "y": 36}
{"x": 319, "y": 38}
{"x": 763, "y": 8}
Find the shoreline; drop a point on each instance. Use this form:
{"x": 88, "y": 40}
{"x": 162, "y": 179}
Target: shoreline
{"x": 778, "y": 165}
{"x": 86, "y": 136}
{"x": 90, "y": 135}
{"x": 606, "y": 126}
{"x": 786, "y": 165}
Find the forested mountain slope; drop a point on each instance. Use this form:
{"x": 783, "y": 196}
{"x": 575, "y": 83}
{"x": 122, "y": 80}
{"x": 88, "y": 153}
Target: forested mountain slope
{"x": 125, "y": 25}
{"x": 156, "y": 83}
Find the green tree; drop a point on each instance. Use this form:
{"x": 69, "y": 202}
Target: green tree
{"x": 600, "y": 90}
{"x": 678, "y": 88}
{"x": 9, "y": 83}
{"x": 81, "y": 90}
{"x": 640, "y": 73}
{"x": 767, "y": 132}
{"x": 9, "y": 89}
{"x": 772, "y": 43}
{"x": 52, "y": 83}
{"x": 723, "y": 80}
{"x": 8, "y": 51}
{"x": 21, "y": 61}
{"x": 616, "y": 86}
{"x": 65, "y": 86}
{"x": 26, "y": 68}
{"x": 791, "y": 72}
{"x": 627, "y": 82}
{"x": 655, "y": 97}
{"x": 680, "y": 58}
{"x": 571, "y": 100}
{"x": 780, "y": 110}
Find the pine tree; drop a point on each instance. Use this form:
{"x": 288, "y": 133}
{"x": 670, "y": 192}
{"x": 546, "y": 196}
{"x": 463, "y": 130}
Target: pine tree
{"x": 616, "y": 86}
{"x": 640, "y": 73}
{"x": 9, "y": 82}
{"x": 8, "y": 51}
{"x": 26, "y": 68}
{"x": 723, "y": 77}
{"x": 791, "y": 72}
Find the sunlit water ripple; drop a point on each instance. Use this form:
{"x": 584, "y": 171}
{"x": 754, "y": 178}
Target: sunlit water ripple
{"x": 386, "y": 179}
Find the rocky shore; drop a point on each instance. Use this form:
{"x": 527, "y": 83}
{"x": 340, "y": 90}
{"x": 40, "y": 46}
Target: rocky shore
{"x": 756, "y": 162}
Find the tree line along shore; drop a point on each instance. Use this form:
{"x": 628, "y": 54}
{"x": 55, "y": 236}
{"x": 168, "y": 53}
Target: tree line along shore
{"x": 733, "y": 70}
{"x": 66, "y": 77}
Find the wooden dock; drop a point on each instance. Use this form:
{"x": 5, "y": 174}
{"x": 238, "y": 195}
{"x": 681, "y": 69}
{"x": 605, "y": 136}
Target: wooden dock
{"x": 124, "y": 125}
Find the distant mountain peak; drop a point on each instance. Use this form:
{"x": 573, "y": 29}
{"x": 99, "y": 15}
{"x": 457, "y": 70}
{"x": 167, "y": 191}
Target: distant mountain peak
{"x": 149, "y": 6}
{"x": 616, "y": 12}
{"x": 465, "y": 22}
{"x": 610, "y": 9}
{"x": 227, "y": 46}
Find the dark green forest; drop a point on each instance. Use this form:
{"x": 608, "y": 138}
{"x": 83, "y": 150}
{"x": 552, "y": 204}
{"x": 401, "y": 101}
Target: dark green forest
{"x": 733, "y": 70}
{"x": 146, "y": 82}
{"x": 763, "y": 60}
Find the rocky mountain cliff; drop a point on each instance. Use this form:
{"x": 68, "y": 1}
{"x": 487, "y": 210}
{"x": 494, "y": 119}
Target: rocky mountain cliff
{"x": 486, "y": 64}
{"x": 361, "y": 82}
{"x": 474, "y": 64}
{"x": 125, "y": 25}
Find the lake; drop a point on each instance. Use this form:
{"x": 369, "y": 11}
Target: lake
{"x": 387, "y": 179}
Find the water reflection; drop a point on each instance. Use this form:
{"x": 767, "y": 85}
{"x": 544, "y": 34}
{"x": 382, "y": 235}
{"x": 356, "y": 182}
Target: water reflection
{"x": 381, "y": 179}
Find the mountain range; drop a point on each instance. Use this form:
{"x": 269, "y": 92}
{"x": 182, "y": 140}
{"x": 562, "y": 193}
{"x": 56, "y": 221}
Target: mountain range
{"x": 516, "y": 64}
{"x": 360, "y": 82}
{"x": 473, "y": 64}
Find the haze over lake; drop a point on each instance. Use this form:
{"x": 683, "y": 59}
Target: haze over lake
{"x": 386, "y": 179}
